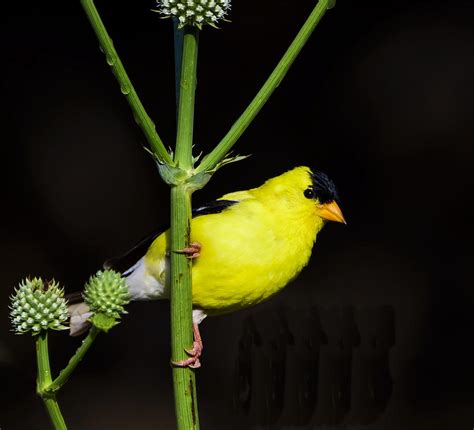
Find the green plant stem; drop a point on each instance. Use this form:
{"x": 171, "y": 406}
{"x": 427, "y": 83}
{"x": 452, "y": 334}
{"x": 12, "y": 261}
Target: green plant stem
{"x": 219, "y": 152}
{"x": 44, "y": 380}
{"x": 126, "y": 87}
{"x": 184, "y": 381}
{"x": 73, "y": 362}
{"x": 187, "y": 91}
{"x": 178, "y": 57}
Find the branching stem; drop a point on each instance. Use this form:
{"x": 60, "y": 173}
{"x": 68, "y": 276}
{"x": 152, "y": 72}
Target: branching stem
{"x": 126, "y": 87}
{"x": 273, "y": 81}
{"x": 181, "y": 296}
{"x": 73, "y": 362}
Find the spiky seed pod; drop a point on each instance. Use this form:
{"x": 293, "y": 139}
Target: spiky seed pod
{"x": 107, "y": 293}
{"x": 36, "y": 307}
{"x": 194, "y": 12}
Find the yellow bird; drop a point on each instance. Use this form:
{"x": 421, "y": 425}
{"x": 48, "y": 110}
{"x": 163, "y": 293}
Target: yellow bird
{"x": 246, "y": 246}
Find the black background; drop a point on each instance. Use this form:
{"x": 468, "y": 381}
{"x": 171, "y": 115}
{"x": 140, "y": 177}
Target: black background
{"x": 381, "y": 98}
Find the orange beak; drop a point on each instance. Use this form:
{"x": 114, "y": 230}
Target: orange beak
{"x": 331, "y": 212}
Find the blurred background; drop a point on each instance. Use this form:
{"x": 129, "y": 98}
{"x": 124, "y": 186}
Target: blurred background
{"x": 376, "y": 333}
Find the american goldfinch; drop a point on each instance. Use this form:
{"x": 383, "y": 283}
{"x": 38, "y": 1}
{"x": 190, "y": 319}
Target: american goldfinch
{"x": 245, "y": 247}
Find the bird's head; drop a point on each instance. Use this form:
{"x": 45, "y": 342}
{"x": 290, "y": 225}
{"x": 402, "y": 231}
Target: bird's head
{"x": 306, "y": 192}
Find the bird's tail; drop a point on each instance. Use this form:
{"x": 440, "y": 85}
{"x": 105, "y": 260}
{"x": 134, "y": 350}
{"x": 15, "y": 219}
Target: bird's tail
{"x": 126, "y": 264}
{"x": 79, "y": 313}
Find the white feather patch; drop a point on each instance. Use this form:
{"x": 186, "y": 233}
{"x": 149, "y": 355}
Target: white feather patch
{"x": 142, "y": 285}
{"x": 79, "y": 322}
{"x": 198, "y": 316}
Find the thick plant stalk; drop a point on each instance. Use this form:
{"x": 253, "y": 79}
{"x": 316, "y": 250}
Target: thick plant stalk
{"x": 126, "y": 87}
{"x": 181, "y": 296}
{"x": 184, "y": 381}
{"x": 273, "y": 81}
{"x": 44, "y": 380}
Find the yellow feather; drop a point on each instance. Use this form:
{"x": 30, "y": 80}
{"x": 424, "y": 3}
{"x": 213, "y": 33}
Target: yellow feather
{"x": 251, "y": 250}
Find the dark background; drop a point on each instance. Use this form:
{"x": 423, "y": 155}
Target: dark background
{"x": 381, "y": 98}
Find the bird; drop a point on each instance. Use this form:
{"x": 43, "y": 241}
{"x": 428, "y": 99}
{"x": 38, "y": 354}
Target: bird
{"x": 245, "y": 247}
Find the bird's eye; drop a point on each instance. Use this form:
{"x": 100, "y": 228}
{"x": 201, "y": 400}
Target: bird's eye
{"x": 309, "y": 193}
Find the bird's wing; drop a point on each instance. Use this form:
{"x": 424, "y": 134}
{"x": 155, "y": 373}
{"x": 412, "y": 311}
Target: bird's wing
{"x": 214, "y": 207}
{"x": 74, "y": 297}
{"x": 127, "y": 260}
{"x": 124, "y": 262}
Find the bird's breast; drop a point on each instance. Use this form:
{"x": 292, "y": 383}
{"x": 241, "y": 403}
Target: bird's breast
{"x": 246, "y": 257}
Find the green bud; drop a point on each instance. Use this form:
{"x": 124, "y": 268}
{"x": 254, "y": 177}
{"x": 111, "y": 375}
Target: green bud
{"x": 36, "y": 307}
{"x": 194, "y": 12}
{"x": 107, "y": 293}
{"x": 103, "y": 322}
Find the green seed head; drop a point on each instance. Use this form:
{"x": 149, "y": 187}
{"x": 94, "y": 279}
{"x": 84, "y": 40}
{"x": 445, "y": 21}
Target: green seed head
{"x": 194, "y": 12}
{"x": 35, "y": 307}
{"x": 107, "y": 293}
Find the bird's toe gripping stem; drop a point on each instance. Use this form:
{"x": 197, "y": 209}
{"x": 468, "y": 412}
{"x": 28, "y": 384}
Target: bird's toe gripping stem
{"x": 195, "y": 352}
{"x": 192, "y": 251}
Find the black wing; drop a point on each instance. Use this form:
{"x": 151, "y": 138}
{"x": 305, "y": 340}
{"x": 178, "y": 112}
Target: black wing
{"x": 214, "y": 207}
{"x": 73, "y": 298}
{"x": 127, "y": 260}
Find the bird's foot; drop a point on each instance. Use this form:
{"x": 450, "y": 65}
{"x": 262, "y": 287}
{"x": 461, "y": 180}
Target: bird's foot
{"x": 192, "y": 251}
{"x": 195, "y": 352}
{"x": 193, "y": 361}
